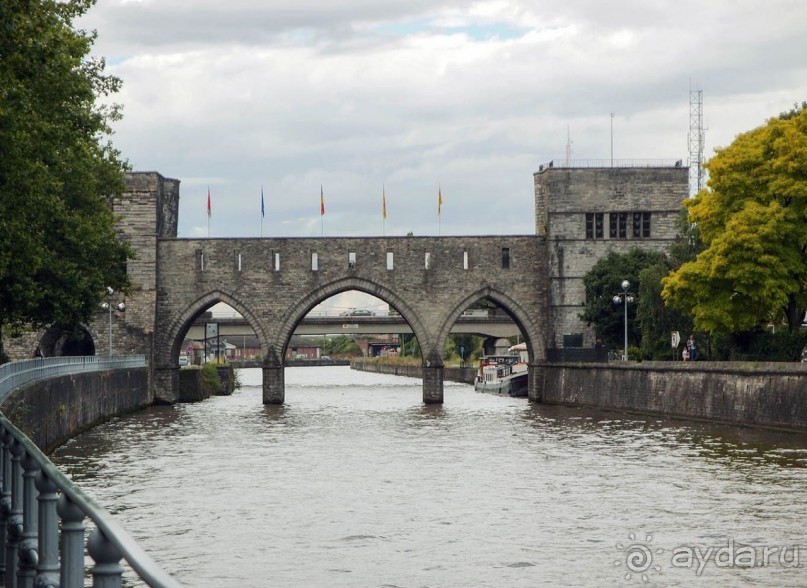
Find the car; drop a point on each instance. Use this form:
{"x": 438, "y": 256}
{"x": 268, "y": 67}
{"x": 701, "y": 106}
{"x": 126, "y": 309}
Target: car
{"x": 183, "y": 360}
{"x": 325, "y": 358}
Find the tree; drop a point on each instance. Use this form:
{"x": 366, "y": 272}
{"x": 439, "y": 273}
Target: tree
{"x": 751, "y": 218}
{"x": 602, "y": 282}
{"x": 58, "y": 173}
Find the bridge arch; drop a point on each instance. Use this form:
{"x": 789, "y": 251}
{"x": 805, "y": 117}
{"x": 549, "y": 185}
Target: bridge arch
{"x": 534, "y": 336}
{"x": 297, "y": 311}
{"x": 169, "y": 344}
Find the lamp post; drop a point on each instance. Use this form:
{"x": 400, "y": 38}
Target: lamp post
{"x": 109, "y": 307}
{"x": 625, "y": 297}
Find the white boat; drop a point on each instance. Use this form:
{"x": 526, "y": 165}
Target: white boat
{"x": 503, "y": 374}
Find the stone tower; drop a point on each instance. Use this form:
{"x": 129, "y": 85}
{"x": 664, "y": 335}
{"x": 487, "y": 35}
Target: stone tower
{"x": 586, "y": 212}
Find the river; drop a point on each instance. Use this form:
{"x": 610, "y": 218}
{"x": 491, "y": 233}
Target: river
{"x": 354, "y": 482}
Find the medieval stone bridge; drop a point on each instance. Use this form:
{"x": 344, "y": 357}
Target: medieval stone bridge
{"x": 274, "y": 283}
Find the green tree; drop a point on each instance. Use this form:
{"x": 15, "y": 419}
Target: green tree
{"x": 58, "y": 171}
{"x": 751, "y": 218}
{"x": 602, "y": 282}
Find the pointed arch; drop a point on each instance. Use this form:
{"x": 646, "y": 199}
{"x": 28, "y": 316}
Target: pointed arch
{"x": 536, "y": 345}
{"x": 296, "y": 313}
{"x": 168, "y": 344}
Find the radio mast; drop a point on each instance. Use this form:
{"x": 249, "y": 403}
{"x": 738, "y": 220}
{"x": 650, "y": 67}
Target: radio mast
{"x": 696, "y": 139}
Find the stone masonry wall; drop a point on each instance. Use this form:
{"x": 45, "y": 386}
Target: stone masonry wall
{"x": 53, "y": 410}
{"x": 768, "y": 395}
{"x": 564, "y": 196}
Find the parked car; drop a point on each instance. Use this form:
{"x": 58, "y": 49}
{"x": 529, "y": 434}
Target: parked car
{"x": 325, "y": 358}
{"x": 183, "y": 360}
{"x": 358, "y": 312}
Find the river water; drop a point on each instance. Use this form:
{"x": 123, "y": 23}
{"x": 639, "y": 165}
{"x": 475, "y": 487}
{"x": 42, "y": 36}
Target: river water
{"x": 355, "y": 482}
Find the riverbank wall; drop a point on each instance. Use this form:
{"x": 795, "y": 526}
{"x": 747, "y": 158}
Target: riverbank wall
{"x": 770, "y": 395}
{"x": 53, "y": 410}
{"x": 464, "y": 375}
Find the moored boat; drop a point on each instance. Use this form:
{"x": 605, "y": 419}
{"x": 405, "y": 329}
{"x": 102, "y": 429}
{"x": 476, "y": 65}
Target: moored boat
{"x": 503, "y": 374}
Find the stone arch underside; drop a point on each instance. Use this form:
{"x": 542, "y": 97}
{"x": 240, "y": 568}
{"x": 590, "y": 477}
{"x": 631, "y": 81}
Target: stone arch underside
{"x": 298, "y": 311}
{"x": 533, "y": 335}
{"x": 169, "y": 342}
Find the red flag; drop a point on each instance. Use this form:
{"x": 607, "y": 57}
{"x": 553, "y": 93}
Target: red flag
{"x": 321, "y": 202}
{"x": 384, "y": 202}
{"x": 209, "y": 209}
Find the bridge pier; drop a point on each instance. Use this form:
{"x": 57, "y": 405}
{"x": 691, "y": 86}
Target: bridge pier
{"x": 166, "y": 385}
{"x": 535, "y": 381}
{"x": 433, "y": 384}
{"x": 274, "y": 384}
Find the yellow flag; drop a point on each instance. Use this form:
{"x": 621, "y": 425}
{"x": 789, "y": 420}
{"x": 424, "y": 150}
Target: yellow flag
{"x": 384, "y": 202}
{"x": 439, "y": 200}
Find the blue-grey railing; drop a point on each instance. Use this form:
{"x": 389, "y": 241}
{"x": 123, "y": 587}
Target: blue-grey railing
{"x": 42, "y": 526}
{"x": 15, "y": 374}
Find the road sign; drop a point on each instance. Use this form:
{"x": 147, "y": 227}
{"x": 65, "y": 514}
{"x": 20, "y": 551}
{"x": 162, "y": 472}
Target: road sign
{"x": 675, "y": 339}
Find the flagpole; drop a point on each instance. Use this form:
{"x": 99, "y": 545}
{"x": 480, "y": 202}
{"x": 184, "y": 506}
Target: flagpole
{"x": 383, "y": 210}
{"x": 439, "y": 209}
{"x": 208, "y": 212}
{"x": 261, "y": 211}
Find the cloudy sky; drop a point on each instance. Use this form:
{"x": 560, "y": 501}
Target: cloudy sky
{"x": 412, "y": 96}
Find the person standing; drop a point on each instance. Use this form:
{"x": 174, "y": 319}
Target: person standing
{"x": 693, "y": 352}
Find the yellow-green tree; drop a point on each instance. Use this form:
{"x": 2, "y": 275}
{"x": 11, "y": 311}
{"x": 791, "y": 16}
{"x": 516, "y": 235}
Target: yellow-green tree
{"x": 752, "y": 219}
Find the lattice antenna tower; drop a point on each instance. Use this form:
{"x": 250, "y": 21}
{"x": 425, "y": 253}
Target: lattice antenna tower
{"x": 568, "y": 147}
{"x": 696, "y": 140}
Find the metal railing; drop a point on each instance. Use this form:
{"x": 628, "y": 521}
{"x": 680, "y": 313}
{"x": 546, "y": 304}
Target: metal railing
{"x": 42, "y": 516}
{"x": 615, "y": 163}
{"x": 15, "y": 374}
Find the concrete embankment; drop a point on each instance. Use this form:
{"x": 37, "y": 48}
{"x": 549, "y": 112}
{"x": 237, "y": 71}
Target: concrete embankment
{"x": 771, "y": 395}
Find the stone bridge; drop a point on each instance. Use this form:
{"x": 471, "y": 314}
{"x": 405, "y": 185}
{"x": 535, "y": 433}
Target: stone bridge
{"x": 274, "y": 283}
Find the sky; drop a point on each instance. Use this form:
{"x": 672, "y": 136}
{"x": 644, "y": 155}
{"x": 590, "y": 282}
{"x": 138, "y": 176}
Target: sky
{"x": 357, "y": 101}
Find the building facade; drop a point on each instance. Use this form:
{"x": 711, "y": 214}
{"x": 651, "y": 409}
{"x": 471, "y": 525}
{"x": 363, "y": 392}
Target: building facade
{"x": 588, "y": 211}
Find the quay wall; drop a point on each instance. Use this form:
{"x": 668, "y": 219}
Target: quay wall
{"x": 771, "y": 395}
{"x": 464, "y": 375}
{"x": 52, "y": 411}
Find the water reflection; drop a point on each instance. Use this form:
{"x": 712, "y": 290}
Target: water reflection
{"x": 358, "y": 483}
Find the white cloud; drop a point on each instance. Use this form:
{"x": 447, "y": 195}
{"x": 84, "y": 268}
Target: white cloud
{"x": 294, "y": 94}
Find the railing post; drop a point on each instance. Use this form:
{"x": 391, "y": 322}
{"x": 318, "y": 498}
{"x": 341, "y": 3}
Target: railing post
{"x": 29, "y": 544}
{"x": 15, "y": 520}
{"x": 72, "y": 547}
{"x": 107, "y": 571}
{"x": 5, "y": 497}
{"x": 48, "y": 566}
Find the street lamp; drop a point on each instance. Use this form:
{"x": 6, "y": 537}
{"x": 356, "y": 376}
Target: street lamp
{"x": 625, "y": 297}
{"x": 120, "y": 307}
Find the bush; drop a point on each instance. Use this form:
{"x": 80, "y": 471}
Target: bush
{"x": 760, "y": 345}
{"x": 210, "y": 378}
